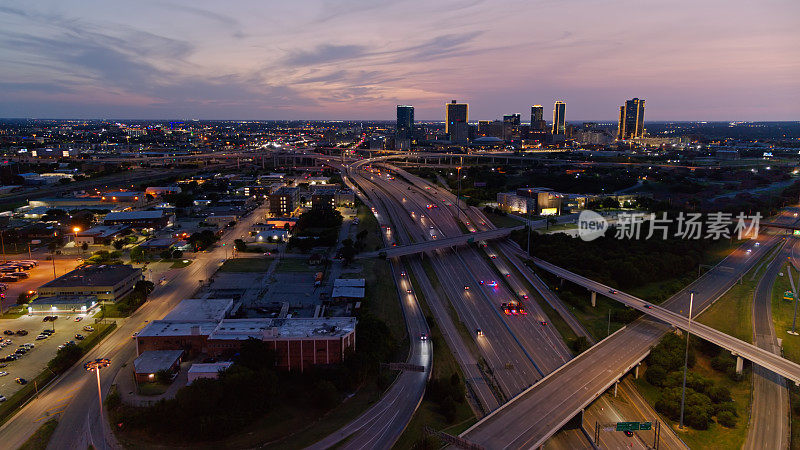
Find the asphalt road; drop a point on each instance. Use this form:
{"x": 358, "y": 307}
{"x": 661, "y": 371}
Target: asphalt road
{"x": 769, "y": 411}
{"x": 73, "y": 396}
{"x": 585, "y": 377}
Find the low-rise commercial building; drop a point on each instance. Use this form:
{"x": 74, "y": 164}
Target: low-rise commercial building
{"x": 156, "y": 220}
{"x": 207, "y": 370}
{"x": 107, "y": 282}
{"x": 63, "y": 304}
{"x": 539, "y": 201}
{"x": 148, "y": 363}
{"x": 298, "y": 342}
{"x": 100, "y": 235}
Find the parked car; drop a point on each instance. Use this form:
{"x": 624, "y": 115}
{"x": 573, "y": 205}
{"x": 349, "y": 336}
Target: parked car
{"x": 88, "y": 328}
{"x": 41, "y": 336}
{"x": 8, "y": 332}
{"x": 22, "y": 332}
{"x": 79, "y": 337}
{"x": 22, "y": 381}
{"x": 78, "y": 319}
{"x": 2, "y": 398}
{"x": 8, "y": 279}
{"x": 2, "y": 374}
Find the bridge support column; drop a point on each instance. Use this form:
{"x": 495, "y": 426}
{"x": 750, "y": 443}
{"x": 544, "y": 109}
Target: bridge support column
{"x": 594, "y": 299}
{"x": 616, "y": 383}
{"x": 739, "y": 365}
{"x": 636, "y": 371}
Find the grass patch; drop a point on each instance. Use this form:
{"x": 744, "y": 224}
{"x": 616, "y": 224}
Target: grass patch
{"x": 782, "y": 315}
{"x": 294, "y": 265}
{"x": 367, "y": 221}
{"x": 381, "y": 296}
{"x": 247, "y": 265}
{"x": 14, "y": 312}
{"x": 716, "y": 436}
{"x": 40, "y": 439}
{"x": 152, "y": 388}
{"x": 502, "y": 221}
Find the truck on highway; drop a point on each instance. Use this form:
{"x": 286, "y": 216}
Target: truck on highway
{"x": 432, "y": 233}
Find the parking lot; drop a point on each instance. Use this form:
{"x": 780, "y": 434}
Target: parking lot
{"x": 39, "y": 275}
{"x": 34, "y": 362}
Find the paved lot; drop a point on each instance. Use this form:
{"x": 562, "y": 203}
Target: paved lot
{"x": 35, "y": 361}
{"x": 39, "y": 275}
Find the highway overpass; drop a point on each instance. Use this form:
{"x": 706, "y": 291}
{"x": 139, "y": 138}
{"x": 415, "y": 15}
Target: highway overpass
{"x": 763, "y": 358}
{"x": 456, "y": 241}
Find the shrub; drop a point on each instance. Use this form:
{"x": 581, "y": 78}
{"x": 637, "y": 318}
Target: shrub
{"x": 726, "y": 419}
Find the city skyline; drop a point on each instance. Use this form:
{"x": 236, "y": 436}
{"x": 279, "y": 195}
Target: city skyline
{"x": 313, "y": 61}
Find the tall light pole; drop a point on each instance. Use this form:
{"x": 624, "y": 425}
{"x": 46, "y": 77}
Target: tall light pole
{"x": 76, "y": 230}
{"x": 686, "y": 357}
{"x": 458, "y": 197}
{"x": 96, "y": 365}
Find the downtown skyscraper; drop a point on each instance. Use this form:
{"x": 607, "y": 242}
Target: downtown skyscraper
{"x": 559, "y": 118}
{"x": 456, "y": 116}
{"x": 537, "y": 118}
{"x": 631, "y": 119}
{"x": 404, "y": 133}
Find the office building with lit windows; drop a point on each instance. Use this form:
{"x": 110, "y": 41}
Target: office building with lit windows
{"x": 456, "y": 122}
{"x": 537, "y": 118}
{"x": 404, "y": 133}
{"x": 559, "y": 118}
{"x": 283, "y": 201}
{"x": 631, "y": 119}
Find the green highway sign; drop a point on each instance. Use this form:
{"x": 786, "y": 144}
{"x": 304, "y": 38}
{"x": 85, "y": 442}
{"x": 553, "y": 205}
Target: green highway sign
{"x": 788, "y": 295}
{"x": 644, "y": 426}
{"x": 627, "y": 426}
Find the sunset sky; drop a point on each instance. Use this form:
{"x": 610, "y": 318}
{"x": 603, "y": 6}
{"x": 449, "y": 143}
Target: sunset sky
{"x": 353, "y": 59}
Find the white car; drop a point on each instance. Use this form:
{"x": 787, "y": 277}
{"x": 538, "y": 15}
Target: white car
{"x": 2, "y": 374}
{"x": 2, "y": 398}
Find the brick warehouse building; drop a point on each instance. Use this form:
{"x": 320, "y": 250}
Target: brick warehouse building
{"x": 297, "y": 342}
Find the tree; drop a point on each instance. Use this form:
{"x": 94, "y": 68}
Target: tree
{"x": 85, "y": 246}
{"x": 119, "y": 244}
{"x": 65, "y": 358}
{"x": 164, "y": 376}
{"x": 239, "y": 245}
{"x": 726, "y": 419}
{"x": 325, "y": 394}
{"x": 655, "y": 375}
{"x": 137, "y": 254}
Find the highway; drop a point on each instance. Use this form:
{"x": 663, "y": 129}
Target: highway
{"x": 383, "y": 423}
{"x": 769, "y": 412}
{"x": 72, "y": 397}
{"x": 580, "y": 381}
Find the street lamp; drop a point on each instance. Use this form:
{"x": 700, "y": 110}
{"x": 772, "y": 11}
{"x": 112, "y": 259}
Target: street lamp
{"x": 686, "y": 358}
{"x": 96, "y": 365}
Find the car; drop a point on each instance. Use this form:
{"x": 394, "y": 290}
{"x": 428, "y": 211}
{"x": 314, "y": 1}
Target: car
{"x": 493, "y": 256}
{"x": 757, "y": 244}
{"x": 479, "y": 332}
{"x": 408, "y": 291}
{"x": 2, "y": 374}
{"x": 628, "y": 433}
{"x": 508, "y": 275}
{"x": 466, "y": 288}
{"x": 493, "y": 283}
{"x": 8, "y": 332}
{"x": 88, "y": 328}
{"x": 543, "y": 322}
{"x": 749, "y": 250}
{"x": 423, "y": 336}
{"x": 481, "y": 282}
{"x": 9, "y": 279}
{"x": 525, "y": 296}
{"x": 135, "y": 333}
{"x": 41, "y": 336}
{"x": 648, "y": 306}
{"x": 506, "y": 308}
{"x": 78, "y": 319}
{"x": 2, "y": 398}
{"x": 48, "y": 332}
{"x": 10, "y": 358}
{"x": 612, "y": 291}
{"x": 522, "y": 310}
{"x": 22, "y": 332}
{"x": 22, "y": 381}
{"x": 79, "y": 337}
{"x": 28, "y": 345}
{"x": 403, "y": 273}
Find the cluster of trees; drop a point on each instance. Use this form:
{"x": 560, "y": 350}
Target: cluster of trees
{"x": 136, "y": 298}
{"x": 350, "y": 248}
{"x": 704, "y": 398}
{"x": 105, "y": 257}
{"x": 202, "y": 239}
{"x": 624, "y": 263}
{"x": 252, "y": 386}
{"x": 316, "y": 228}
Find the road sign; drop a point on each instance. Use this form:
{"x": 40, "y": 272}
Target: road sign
{"x": 627, "y": 426}
{"x": 788, "y": 295}
{"x": 644, "y": 426}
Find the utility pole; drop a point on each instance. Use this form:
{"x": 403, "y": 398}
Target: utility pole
{"x": 794, "y": 291}
{"x": 686, "y": 357}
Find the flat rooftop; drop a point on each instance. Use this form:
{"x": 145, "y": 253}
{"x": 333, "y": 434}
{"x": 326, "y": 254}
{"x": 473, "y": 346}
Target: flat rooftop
{"x": 201, "y": 309}
{"x": 347, "y": 291}
{"x": 241, "y": 329}
{"x": 152, "y": 361}
{"x": 349, "y": 282}
{"x": 210, "y": 367}
{"x": 93, "y": 275}
{"x": 178, "y": 328}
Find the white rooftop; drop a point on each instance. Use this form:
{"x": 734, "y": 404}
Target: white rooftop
{"x": 178, "y": 328}
{"x": 241, "y": 329}
{"x": 209, "y": 367}
{"x": 201, "y": 309}
{"x": 347, "y": 291}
